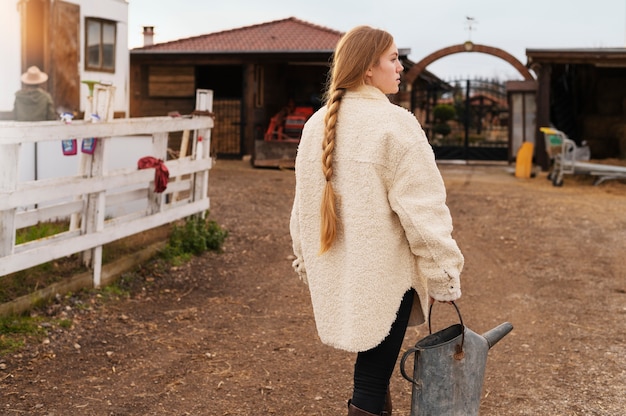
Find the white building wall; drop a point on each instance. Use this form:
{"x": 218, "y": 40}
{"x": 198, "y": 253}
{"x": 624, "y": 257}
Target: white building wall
{"x": 115, "y": 10}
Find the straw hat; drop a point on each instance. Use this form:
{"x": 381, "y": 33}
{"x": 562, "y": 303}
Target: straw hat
{"x": 34, "y": 76}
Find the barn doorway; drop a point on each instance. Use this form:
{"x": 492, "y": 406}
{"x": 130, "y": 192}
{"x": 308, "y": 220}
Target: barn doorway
{"x": 226, "y": 81}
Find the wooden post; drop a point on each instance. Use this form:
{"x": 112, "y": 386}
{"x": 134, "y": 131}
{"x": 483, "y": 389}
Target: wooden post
{"x": 93, "y": 165}
{"x": 204, "y": 102}
{"x": 99, "y": 103}
{"x": 159, "y": 150}
{"x": 9, "y": 154}
{"x": 248, "y": 120}
{"x": 544, "y": 75}
{"x": 184, "y": 146}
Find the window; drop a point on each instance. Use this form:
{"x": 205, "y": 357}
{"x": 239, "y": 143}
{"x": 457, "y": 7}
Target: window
{"x": 100, "y": 45}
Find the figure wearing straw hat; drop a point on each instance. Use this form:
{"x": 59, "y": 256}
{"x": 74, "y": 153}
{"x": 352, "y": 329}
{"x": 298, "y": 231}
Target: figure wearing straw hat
{"x": 32, "y": 102}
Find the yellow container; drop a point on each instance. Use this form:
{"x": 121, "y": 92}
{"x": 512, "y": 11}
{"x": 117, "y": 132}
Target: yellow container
{"x": 524, "y": 161}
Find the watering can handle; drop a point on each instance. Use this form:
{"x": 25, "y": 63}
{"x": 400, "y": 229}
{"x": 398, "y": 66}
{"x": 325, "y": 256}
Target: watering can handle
{"x": 430, "y": 313}
{"x": 410, "y": 351}
{"x": 458, "y": 312}
{"x": 403, "y": 361}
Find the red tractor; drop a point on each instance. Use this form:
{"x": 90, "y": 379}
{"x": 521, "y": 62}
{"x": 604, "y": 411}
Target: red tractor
{"x": 288, "y": 123}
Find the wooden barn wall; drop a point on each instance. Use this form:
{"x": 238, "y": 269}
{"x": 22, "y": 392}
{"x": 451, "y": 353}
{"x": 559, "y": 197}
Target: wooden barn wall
{"x": 603, "y": 110}
{"x": 157, "y": 90}
{"x": 65, "y": 50}
{"x": 171, "y": 81}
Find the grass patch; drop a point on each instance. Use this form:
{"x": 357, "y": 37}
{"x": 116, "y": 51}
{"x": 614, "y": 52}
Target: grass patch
{"x": 113, "y": 292}
{"x": 15, "y": 330}
{"x": 65, "y": 323}
{"x": 41, "y": 230}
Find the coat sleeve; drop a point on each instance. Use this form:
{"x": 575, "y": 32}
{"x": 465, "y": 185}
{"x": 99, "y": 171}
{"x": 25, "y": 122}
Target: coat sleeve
{"x": 417, "y": 195}
{"x": 294, "y": 229}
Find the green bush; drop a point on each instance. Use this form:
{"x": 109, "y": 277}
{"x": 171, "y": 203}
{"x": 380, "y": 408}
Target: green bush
{"x": 444, "y": 112}
{"x": 197, "y": 235}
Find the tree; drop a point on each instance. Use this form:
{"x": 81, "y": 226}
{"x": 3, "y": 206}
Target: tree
{"x": 442, "y": 114}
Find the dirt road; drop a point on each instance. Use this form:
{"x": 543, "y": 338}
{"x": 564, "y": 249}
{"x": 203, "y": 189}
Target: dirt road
{"x": 233, "y": 333}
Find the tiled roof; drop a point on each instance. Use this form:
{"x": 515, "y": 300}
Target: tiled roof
{"x": 287, "y": 35}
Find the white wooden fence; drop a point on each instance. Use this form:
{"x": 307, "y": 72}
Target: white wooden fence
{"x": 90, "y": 195}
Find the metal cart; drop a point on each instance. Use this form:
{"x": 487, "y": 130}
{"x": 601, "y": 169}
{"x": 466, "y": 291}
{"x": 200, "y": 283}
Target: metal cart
{"x": 570, "y": 159}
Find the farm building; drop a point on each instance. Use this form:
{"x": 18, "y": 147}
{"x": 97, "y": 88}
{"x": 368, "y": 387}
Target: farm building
{"x": 254, "y": 71}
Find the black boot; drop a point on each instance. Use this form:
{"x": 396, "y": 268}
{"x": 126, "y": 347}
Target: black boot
{"x": 355, "y": 411}
{"x": 388, "y": 407}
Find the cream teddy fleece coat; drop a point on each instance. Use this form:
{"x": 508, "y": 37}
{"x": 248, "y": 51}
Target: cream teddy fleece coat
{"x": 394, "y": 225}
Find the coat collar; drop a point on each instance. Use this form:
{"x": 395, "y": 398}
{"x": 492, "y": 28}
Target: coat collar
{"x": 367, "y": 92}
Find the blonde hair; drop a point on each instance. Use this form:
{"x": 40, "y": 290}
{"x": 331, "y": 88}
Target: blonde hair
{"x": 357, "y": 51}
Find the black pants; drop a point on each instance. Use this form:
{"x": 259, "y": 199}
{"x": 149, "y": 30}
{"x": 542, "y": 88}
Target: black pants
{"x": 373, "y": 368}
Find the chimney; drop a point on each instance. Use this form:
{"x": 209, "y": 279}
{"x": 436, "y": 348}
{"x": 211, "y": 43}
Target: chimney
{"x": 148, "y": 35}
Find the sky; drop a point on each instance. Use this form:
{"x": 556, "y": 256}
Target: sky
{"x": 421, "y": 26}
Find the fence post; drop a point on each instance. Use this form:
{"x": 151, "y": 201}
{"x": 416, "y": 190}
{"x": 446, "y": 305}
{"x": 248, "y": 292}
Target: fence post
{"x": 95, "y": 212}
{"x": 204, "y": 103}
{"x": 9, "y": 154}
{"x": 159, "y": 150}
{"x": 100, "y": 106}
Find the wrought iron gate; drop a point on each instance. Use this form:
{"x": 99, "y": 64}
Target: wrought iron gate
{"x": 478, "y": 130}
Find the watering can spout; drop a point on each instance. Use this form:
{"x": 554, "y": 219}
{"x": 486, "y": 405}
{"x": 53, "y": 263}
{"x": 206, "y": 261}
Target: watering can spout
{"x": 496, "y": 334}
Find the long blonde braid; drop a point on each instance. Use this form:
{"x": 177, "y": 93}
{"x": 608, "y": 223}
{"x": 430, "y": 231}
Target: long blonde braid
{"x": 357, "y": 51}
{"x": 328, "y": 209}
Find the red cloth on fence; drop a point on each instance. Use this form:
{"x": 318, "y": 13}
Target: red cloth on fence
{"x": 161, "y": 173}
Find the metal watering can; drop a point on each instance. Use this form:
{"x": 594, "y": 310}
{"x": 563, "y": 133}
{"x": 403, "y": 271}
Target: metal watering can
{"x": 449, "y": 368}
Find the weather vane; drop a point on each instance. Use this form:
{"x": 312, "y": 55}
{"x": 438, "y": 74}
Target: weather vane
{"x": 469, "y": 23}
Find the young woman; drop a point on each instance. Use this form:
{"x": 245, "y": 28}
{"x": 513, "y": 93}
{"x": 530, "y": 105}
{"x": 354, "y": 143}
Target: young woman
{"x": 370, "y": 227}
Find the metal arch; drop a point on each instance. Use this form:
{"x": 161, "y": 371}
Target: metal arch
{"x": 414, "y": 72}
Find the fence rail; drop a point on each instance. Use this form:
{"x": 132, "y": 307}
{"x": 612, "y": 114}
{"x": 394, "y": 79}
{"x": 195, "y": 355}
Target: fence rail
{"x": 88, "y": 197}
